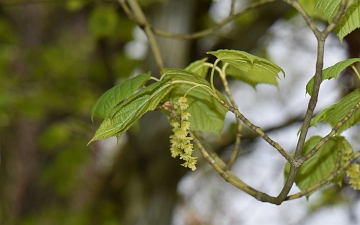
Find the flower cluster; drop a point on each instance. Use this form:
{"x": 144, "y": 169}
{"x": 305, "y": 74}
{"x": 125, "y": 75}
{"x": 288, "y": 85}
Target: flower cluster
{"x": 180, "y": 141}
{"x": 354, "y": 174}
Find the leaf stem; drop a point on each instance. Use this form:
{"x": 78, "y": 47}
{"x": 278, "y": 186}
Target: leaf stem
{"x": 155, "y": 79}
{"x": 212, "y": 73}
{"x": 211, "y": 66}
{"x": 205, "y": 87}
{"x": 193, "y": 87}
{"x": 355, "y": 70}
{"x": 236, "y": 148}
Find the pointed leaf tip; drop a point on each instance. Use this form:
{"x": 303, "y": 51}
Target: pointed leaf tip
{"x": 331, "y": 72}
{"x": 249, "y": 68}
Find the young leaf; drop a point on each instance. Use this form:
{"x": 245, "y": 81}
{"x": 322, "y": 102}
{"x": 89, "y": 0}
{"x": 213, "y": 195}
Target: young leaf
{"x": 130, "y": 110}
{"x": 309, "y": 6}
{"x": 339, "y": 110}
{"x": 348, "y": 23}
{"x": 327, "y": 8}
{"x": 206, "y": 113}
{"x": 323, "y": 163}
{"x": 183, "y": 75}
{"x": 251, "y": 77}
{"x": 331, "y": 72}
{"x": 249, "y": 68}
{"x": 116, "y": 94}
{"x": 198, "y": 68}
{"x": 117, "y": 125}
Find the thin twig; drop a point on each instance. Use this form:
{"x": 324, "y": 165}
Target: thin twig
{"x": 256, "y": 129}
{"x": 307, "y": 18}
{"x": 137, "y": 15}
{"x": 321, "y": 37}
{"x": 236, "y": 148}
{"x": 355, "y": 71}
{"x": 211, "y": 29}
{"x": 219, "y": 166}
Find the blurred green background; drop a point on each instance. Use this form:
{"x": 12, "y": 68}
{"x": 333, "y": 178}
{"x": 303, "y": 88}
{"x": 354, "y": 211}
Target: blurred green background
{"x": 56, "y": 58}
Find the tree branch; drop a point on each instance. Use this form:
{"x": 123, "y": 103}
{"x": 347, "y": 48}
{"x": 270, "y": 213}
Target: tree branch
{"x": 211, "y": 29}
{"x": 137, "y": 15}
{"x": 307, "y": 18}
{"x": 256, "y": 129}
{"x": 321, "y": 37}
{"x": 220, "y": 167}
{"x": 238, "y": 121}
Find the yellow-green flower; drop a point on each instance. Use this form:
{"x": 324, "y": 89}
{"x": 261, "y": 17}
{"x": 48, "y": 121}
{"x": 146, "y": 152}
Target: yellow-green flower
{"x": 353, "y": 172}
{"x": 181, "y": 141}
{"x": 174, "y": 123}
{"x": 182, "y": 100}
{"x": 185, "y": 115}
{"x": 181, "y": 134}
{"x": 175, "y": 151}
{"x": 190, "y": 163}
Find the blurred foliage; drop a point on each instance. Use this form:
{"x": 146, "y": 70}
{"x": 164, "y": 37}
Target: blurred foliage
{"x": 56, "y": 59}
{"x": 53, "y": 82}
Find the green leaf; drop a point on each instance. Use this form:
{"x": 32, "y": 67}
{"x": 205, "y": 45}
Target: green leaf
{"x": 319, "y": 166}
{"x": 331, "y": 72}
{"x": 336, "y": 112}
{"x": 198, "y": 67}
{"x": 116, "y": 94}
{"x": 130, "y": 110}
{"x": 206, "y": 113}
{"x": 348, "y": 23}
{"x": 327, "y": 8}
{"x": 251, "y": 77}
{"x": 249, "y": 68}
{"x": 323, "y": 163}
{"x": 309, "y": 7}
{"x": 184, "y": 75}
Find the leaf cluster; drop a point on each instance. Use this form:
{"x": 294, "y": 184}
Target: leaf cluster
{"x": 315, "y": 162}
{"x": 122, "y": 105}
